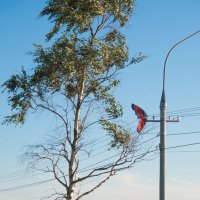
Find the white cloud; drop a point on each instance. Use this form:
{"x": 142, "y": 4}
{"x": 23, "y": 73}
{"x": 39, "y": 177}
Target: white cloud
{"x": 125, "y": 186}
{"x": 136, "y": 186}
{"x": 181, "y": 189}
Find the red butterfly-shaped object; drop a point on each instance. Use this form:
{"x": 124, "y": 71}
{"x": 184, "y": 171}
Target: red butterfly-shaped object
{"x": 141, "y": 114}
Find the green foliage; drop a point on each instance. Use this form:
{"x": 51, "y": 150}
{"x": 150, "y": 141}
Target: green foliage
{"x": 119, "y": 134}
{"x": 138, "y": 58}
{"x": 77, "y": 15}
{"x": 81, "y": 64}
{"x": 18, "y": 86}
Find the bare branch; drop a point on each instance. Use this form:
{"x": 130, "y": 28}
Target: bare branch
{"x": 94, "y": 188}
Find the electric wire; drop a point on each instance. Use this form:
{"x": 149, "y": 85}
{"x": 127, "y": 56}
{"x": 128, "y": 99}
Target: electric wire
{"x": 183, "y": 111}
{"x": 140, "y": 144}
{"x": 18, "y": 176}
{"x": 21, "y": 173}
{"x": 183, "y": 133}
{"x": 87, "y": 168}
{"x": 186, "y": 111}
{"x": 192, "y": 151}
{"x": 24, "y": 172}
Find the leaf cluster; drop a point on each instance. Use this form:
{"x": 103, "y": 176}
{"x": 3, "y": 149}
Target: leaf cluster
{"x": 77, "y": 15}
{"x": 120, "y": 136}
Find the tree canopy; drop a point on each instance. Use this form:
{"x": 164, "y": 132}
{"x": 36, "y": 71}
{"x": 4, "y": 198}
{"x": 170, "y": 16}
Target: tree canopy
{"x": 73, "y": 79}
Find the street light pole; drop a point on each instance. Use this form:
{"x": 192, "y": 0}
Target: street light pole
{"x": 163, "y": 107}
{"x": 162, "y": 146}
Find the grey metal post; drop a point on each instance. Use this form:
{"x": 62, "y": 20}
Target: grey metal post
{"x": 163, "y": 107}
{"x": 162, "y": 146}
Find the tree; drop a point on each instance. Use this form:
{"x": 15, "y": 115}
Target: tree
{"x": 73, "y": 79}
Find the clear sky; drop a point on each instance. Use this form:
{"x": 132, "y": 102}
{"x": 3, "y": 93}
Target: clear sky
{"x": 154, "y": 28}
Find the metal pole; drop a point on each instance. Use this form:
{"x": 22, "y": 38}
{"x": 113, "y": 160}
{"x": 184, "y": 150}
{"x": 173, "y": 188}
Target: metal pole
{"x": 163, "y": 107}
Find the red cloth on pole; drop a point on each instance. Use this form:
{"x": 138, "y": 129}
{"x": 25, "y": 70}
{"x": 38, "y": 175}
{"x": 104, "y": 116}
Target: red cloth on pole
{"x": 141, "y": 114}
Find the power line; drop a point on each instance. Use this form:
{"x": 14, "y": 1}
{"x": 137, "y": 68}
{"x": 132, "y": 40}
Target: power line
{"x": 88, "y": 168}
{"x": 24, "y": 172}
{"x": 183, "y": 133}
{"x": 174, "y": 134}
{"x": 17, "y": 175}
{"x": 26, "y": 185}
{"x": 93, "y": 143}
{"x": 12, "y": 176}
{"x": 190, "y": 115}
{"x": 186, "y": 111}
{"x": 49, "y": 180}
{"x": 183, "y": 145}
{"x": 198, "y": 151}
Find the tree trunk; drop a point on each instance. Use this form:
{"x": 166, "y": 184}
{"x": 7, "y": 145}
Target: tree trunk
{"x": 73, "y": 162}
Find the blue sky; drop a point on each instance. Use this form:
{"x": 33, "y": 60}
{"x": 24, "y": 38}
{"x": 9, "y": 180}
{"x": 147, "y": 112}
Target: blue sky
{"x": 154, "y": 28}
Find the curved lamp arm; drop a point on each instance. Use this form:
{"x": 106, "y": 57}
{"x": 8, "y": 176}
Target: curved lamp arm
{"x": 171, "y": 51}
